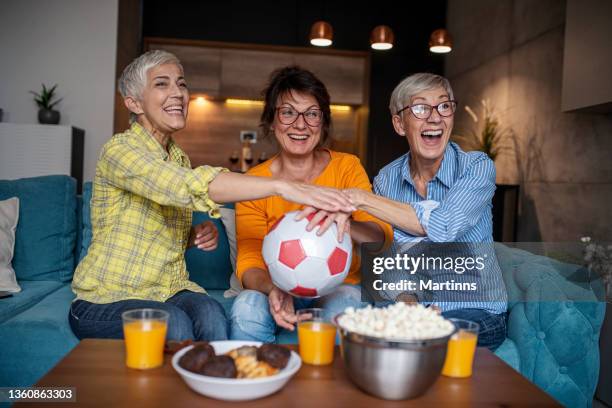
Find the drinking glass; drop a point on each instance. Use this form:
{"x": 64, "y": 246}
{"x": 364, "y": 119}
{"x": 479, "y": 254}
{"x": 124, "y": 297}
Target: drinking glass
{"x": 145, "y": 334}
{"x": 461, "y": 349}
{"x": 316, "y": 337}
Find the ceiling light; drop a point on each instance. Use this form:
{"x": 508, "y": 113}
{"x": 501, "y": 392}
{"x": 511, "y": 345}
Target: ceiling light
{"x": 381, "y": 38}
{"x": 440, "y": 41}
{"x": 321, "y": 34}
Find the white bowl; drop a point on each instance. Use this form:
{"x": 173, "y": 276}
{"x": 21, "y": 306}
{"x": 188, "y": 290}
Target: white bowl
{"x": 236, "y": 389}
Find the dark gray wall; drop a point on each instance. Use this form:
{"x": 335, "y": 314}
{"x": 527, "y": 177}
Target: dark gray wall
{"x": 511, "y": 52}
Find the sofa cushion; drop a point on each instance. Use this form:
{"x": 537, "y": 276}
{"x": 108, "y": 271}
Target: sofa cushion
{"x": 42, "y": 333}
{"x": 554, "y": 322}
{"x": 211, "y": 270}
{"x": 86, "y": 233}
{"x": 31, "y": 293}
{"x": 9, "y": 215}
{"x": 46, "y": 233}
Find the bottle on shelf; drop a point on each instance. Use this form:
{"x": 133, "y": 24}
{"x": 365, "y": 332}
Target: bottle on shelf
{"x": 234, "y": 158}
{"x": 247, "y": 157}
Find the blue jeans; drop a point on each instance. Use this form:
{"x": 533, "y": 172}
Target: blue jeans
{"x": 194, "y": 316}
{"x": 251, "y": 318}
{"x": 492, "y": 331}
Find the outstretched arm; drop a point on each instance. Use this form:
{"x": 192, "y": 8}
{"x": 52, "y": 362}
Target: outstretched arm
{"x": 228, "y": 187}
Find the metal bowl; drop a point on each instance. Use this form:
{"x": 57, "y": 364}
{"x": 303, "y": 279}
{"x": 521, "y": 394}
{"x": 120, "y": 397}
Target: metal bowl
{"x": 392, "y": 369}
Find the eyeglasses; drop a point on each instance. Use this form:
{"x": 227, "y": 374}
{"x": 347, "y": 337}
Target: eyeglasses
{"x": 288, "y": 116}
{"x": 423, "y": 111}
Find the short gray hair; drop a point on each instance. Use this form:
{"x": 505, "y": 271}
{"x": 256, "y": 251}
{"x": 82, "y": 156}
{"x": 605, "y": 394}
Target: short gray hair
{"x": 133, "y": 79}
{"x": 415, "y": 84}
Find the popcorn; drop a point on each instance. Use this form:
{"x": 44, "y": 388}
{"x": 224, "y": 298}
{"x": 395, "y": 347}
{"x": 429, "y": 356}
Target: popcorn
{"x": 398, "y": 321}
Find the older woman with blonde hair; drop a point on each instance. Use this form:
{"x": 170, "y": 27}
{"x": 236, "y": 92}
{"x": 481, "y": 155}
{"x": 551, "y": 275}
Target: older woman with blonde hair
{"x": 144, "y": 192}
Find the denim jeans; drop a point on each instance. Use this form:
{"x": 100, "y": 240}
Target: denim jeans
{"x": 251, "y": 318}
{"x": 194, "y": 316}
{"x": 492, "y": 331}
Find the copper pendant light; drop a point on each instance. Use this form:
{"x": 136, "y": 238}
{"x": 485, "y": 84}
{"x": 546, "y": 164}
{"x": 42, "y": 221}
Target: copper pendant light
{"x": 382, "y": 38}
{"x": 321, "y": 34}
{"x": 440, "y": 41}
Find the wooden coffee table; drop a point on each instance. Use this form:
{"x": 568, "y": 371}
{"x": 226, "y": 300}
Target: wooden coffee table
{"x": 97, "y": 370}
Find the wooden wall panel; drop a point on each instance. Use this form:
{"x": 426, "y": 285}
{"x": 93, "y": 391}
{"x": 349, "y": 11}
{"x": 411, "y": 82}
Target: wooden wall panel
{"x": 245, "y": 73}
{"x": 343, "y": 76}
{"x": 202, "y": 66}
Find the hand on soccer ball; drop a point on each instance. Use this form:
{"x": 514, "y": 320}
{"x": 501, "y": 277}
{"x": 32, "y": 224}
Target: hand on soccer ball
{"x": 325, "y": 219}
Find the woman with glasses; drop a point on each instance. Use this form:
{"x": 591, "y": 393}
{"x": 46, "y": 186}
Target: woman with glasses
{"x": 297, "y": 113}
{"x": 438, "y": 193}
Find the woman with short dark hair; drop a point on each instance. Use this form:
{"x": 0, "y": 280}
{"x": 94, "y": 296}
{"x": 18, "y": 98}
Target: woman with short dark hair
{"x": 297, "y": 114}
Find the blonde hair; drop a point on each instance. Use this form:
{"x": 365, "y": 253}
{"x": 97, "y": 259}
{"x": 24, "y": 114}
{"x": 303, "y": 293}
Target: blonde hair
{"x": 133, "y": 79}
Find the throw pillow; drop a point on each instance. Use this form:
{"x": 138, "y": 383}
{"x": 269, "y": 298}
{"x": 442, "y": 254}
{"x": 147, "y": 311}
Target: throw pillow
{"x": 228, "y": 218}
{"x": 9, "y": 215}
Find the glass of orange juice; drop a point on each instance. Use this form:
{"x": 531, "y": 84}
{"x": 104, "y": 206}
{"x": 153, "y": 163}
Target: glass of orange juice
{"x": 461, "y": 349}
{"x": 145, "y": 334}
{"x": 316, "y": 337}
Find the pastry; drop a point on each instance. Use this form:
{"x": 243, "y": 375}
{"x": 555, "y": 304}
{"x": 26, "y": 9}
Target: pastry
{"x": 273, "y": 354}
{"x": 220, "y": 366}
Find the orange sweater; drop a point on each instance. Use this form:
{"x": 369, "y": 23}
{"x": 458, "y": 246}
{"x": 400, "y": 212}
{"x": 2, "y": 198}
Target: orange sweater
{"x": 255, "y": 218}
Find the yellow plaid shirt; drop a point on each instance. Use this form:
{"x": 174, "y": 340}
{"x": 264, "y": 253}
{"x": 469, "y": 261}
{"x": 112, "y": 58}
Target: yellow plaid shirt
{"x": 141, "y": 208}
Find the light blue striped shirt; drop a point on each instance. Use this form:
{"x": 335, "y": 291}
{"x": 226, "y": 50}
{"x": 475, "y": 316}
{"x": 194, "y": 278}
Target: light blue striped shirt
{"x": 457, "y": 209}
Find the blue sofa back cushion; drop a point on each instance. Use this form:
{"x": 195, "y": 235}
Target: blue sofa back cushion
{"x": 211, "y": 270}
{"x": 46, "y": 231}
{"x": 86, "y": 233}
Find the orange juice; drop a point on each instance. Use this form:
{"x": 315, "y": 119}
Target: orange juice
{"x": 144, "y": 343}
{"x": 316, "y": 342}
{"x": 460, "y": 354}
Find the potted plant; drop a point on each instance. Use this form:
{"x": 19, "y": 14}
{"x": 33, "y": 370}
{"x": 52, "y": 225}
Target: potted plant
{"x": 46, "y": 114}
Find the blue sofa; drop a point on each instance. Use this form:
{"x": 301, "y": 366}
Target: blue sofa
{"x": 552, "y": 343}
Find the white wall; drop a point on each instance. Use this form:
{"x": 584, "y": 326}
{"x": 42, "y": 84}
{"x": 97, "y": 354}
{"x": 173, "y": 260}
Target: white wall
{"x": 69, "y": 42}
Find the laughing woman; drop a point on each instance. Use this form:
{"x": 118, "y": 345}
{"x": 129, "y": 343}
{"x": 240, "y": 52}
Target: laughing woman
{"x": 144, "y": 192}
{"x": 297, "y": 114}
{"x": 436, "y": 192}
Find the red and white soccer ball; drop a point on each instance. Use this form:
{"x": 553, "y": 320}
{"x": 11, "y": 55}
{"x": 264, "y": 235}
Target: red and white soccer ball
{"x": 303, "y": 263}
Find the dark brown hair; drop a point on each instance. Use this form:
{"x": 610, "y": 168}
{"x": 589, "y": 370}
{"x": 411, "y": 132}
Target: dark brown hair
{"x": 295, "y": 79}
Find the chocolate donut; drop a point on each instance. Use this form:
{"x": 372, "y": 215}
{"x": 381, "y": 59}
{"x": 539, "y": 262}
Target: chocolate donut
{"x": 273, "y": 354}
{"x": 194, "y": 359}
{"x": 220, "y": 366}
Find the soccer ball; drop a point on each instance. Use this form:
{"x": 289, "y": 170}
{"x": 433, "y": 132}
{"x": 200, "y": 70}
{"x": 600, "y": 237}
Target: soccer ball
{"x": 303, "y": 263}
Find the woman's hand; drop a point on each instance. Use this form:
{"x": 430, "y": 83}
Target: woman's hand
{"x": 325, "y": 198}
{"x": 205, "y": 236}
{"x": 325, "y": 219}
{"x": 281, "y": 308}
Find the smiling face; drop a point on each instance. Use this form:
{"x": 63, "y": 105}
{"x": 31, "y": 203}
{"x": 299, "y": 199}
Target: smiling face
{"x": 427, "y": 137}
{"x": 298, "y": 138}
{"x": 165, "y": 99}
